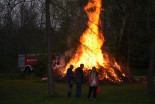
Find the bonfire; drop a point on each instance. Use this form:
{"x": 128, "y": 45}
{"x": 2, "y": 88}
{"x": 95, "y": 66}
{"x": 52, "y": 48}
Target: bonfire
{"x": 89, "y": 51}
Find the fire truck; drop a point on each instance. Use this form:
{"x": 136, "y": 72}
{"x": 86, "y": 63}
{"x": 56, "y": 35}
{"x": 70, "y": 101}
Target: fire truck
{"x": 27, "y": 61}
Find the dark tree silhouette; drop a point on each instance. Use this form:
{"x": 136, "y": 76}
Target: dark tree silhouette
{"x": 48, "y": 37}
{"x": 152, "y": 49}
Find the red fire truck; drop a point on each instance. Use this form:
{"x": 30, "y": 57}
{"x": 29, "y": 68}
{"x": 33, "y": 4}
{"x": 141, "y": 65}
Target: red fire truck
{"x": 26, "y": 61}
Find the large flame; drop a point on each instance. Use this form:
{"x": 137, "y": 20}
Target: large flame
{"x": 89, "y": 51}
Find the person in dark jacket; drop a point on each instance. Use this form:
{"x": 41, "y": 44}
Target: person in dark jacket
{"x": 79, "y": 80}
{"x": 70, "y": 78}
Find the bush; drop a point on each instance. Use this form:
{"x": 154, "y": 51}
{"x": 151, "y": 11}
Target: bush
{"x": 41, "y": 66}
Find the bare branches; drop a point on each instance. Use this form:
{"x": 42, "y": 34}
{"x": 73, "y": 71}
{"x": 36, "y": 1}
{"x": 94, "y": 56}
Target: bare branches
{"x": 81, "y": 18}
{"x": 120, "y": 6}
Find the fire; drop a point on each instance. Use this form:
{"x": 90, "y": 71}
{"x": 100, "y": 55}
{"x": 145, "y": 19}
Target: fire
{"x": 89, "y": 51}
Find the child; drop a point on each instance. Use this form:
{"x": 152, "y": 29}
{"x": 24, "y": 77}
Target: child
{"x": 93, "y": 83}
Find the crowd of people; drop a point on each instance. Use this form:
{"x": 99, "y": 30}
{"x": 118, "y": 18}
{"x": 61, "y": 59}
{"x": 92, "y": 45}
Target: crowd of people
{"x": 78, "y": 77}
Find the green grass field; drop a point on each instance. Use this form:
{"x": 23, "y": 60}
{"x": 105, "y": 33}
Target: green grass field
{"x": 35, "y": 91}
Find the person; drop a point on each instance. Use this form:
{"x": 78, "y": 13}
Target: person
{"x": 93, "y": 83}
{"x": 70, "y": 78}
{"x": 79, "y": 80}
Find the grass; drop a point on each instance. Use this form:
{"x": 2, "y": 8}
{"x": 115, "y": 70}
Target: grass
{"x": 35, "y": 91}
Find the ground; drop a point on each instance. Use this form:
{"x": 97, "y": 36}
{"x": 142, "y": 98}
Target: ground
{"x": 34, "y": 91}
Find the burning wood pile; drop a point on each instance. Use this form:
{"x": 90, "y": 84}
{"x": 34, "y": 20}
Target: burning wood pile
{"x": 89, "y": 51}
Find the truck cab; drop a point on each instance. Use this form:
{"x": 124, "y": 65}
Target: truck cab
{"x": 28, "y": 68}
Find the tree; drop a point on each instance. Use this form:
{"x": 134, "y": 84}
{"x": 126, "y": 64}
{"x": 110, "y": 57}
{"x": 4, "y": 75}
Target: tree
{"x": 152, "y": 49}
{"x": 118, "y": 26}
{"x": 49, "y": 59}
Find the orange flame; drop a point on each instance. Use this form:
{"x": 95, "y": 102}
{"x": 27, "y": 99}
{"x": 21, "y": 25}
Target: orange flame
{"x": 89, "y": 51}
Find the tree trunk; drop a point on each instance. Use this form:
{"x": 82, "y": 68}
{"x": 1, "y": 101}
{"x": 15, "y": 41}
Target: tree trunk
{"x": 130, "y": 78}
{"x": 151, "y": 68}
{"x": 152, "y": 50}
{"x": 127, "y": 14}
{"x": 125, "y": 19}
{"x": 49, "y": 61}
